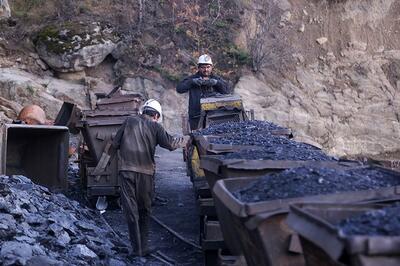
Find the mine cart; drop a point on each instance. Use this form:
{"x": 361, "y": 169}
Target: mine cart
{"x": 217, "y": 168}
{"x": 35, "y": 151}
{"x": 258, "y": 229}
{"x": 324, "y": 244}
{"x": 214, "y": 110}
{"x": 97, "y": 128}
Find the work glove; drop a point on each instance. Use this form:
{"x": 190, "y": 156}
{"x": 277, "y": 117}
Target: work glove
{"x": 211, "y": 82}
{"x": 198, "y": 81}
{"x": 205, "y": 82}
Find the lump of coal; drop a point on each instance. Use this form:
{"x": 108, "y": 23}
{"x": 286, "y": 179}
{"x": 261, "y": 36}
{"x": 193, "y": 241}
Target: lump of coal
{"x": 306, "y": 181}
{"x": 382, "y": 222}
{"x": 38, "y": 227}
{"x": 239, "y": 127}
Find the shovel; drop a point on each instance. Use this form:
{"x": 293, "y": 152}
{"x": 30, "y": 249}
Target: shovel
{"x": 101, "y": 203}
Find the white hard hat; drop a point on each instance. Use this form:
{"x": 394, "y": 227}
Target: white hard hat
{"x": 153, "y": 104}
{"x": 205, "y": 59}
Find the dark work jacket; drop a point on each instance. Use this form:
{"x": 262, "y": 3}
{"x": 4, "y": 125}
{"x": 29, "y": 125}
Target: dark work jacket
{"x": 137, "y": 139}
{"x": 196, "y": 92}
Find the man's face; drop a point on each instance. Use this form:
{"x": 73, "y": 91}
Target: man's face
{"x": 205, "y": 70}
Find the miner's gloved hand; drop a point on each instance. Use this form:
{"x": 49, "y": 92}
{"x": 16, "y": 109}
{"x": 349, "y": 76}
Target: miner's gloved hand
{"x": 212, "y": 82}
{"x": 198, "y": 81}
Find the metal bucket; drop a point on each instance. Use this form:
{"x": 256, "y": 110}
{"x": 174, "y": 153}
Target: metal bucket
{"x": 38, "y": 152}
{"x": 259, "y": 229}
{"x": 323, "y": 245}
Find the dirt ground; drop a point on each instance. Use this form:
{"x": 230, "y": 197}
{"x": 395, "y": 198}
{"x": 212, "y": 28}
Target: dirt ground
{"x": 175, "y": 207}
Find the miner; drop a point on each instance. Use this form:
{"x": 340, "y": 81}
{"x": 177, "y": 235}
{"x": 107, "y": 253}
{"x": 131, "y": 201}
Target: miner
{"x": 136, "y": 141}
{"x": 202, "y": 84}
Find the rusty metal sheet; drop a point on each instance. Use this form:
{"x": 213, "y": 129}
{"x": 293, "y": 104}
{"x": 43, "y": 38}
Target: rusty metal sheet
{"x": 36, "y": 151}
{"x": 315, "y": 222}
{"x": 108, "y": 113}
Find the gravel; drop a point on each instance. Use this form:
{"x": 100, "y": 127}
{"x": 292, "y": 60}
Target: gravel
{"x": 383, "y": 222}
{"x": 306, "y": 181}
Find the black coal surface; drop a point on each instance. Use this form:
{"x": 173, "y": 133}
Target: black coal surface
{"x": 38, "y": 227}
{"x": 383, "y": 222}
{"x": 272, "y": 148}
{"x": 306, "y": 181}
{"x": 280, "y": 153}
{"x": 244, "y": 126}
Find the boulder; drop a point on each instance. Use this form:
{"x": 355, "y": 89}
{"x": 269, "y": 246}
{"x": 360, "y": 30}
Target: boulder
{"x": 75, "y": 46}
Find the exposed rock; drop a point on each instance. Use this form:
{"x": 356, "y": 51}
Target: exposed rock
{"x": 5, "y": 11}
{"x": 302, "y": 27}
{"x": 172, "y": 104}
{"x": 74, "y": 47}
{"x": 321, "y": 40}
{"x": 21, "y": 88}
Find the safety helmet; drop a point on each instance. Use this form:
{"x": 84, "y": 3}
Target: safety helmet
{"x": 153, "y": 104}
{"x": 205, "y": 59}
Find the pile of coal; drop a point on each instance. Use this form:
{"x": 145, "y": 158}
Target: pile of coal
{"x": 382, "y": 222}
{"x": 275, "y": 148}
{"x": 279, "y": 153}
{"x": 307, "y": 181}
{"x": 238, "y": 127}
{"x": 38, "y": 227}
{"x": 265, "y": 139}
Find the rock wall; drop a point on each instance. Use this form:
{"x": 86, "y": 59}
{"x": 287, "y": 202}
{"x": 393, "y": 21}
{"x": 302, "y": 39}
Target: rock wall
{"x": 339, "y": 84}
{"x": 327, "y": 69}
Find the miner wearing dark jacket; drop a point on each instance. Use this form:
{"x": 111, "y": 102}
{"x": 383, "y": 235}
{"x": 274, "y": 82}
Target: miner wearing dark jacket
{"x": 136, "y": 140}
{"x": 200, "y": 85}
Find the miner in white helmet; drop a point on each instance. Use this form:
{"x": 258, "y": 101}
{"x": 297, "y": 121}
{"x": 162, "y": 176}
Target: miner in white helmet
{"x": 202, "y": 84}
{"x": 136, "y": 141}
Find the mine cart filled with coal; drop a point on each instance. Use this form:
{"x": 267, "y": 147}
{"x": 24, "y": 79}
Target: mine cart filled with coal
{"x": 215, "y": 110}
{"x": 348, "y": 234}
{"x": 97, "y": 127}
{"x": 252, "y": 211}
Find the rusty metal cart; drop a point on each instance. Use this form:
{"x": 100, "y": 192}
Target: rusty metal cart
{"x": 323, "y": 244}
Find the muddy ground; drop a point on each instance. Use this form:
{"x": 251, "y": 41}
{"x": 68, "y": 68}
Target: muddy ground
{"x": 174, "y": 206}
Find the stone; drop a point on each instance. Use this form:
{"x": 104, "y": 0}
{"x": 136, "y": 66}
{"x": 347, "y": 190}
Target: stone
{"x": 81, "y": 251}
{"x": 321, "y": 40}
{"x": 356, "y": 45}
{"x": 75, "y": 46}
{"x": 43, "y": 260}
{"x": 115, "y": 262}
{"x": 302, "y": 27}
{"x": 15, "y": 253}
{"x": 5, "y": 11}
{"x": 41, "y": 64}
{"x": 286, "y": 17}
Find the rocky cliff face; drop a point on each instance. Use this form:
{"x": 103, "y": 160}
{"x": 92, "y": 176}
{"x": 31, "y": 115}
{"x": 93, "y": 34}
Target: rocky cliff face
{"x": 340, "y": 87}
{"x": 326, "y": 69}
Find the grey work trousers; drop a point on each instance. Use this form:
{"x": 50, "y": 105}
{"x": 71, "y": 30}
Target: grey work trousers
{"x": 137, "y": 192}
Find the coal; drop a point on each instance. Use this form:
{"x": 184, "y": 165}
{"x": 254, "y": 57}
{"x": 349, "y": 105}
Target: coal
{"x": 382, "y": 222}
{"x": 270, "y": 147}
{"x": 239, "y": 127}
{"x": 38, "y": 227}
{"x": 308, "y": 181}
{"x": 290, "y": 153}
